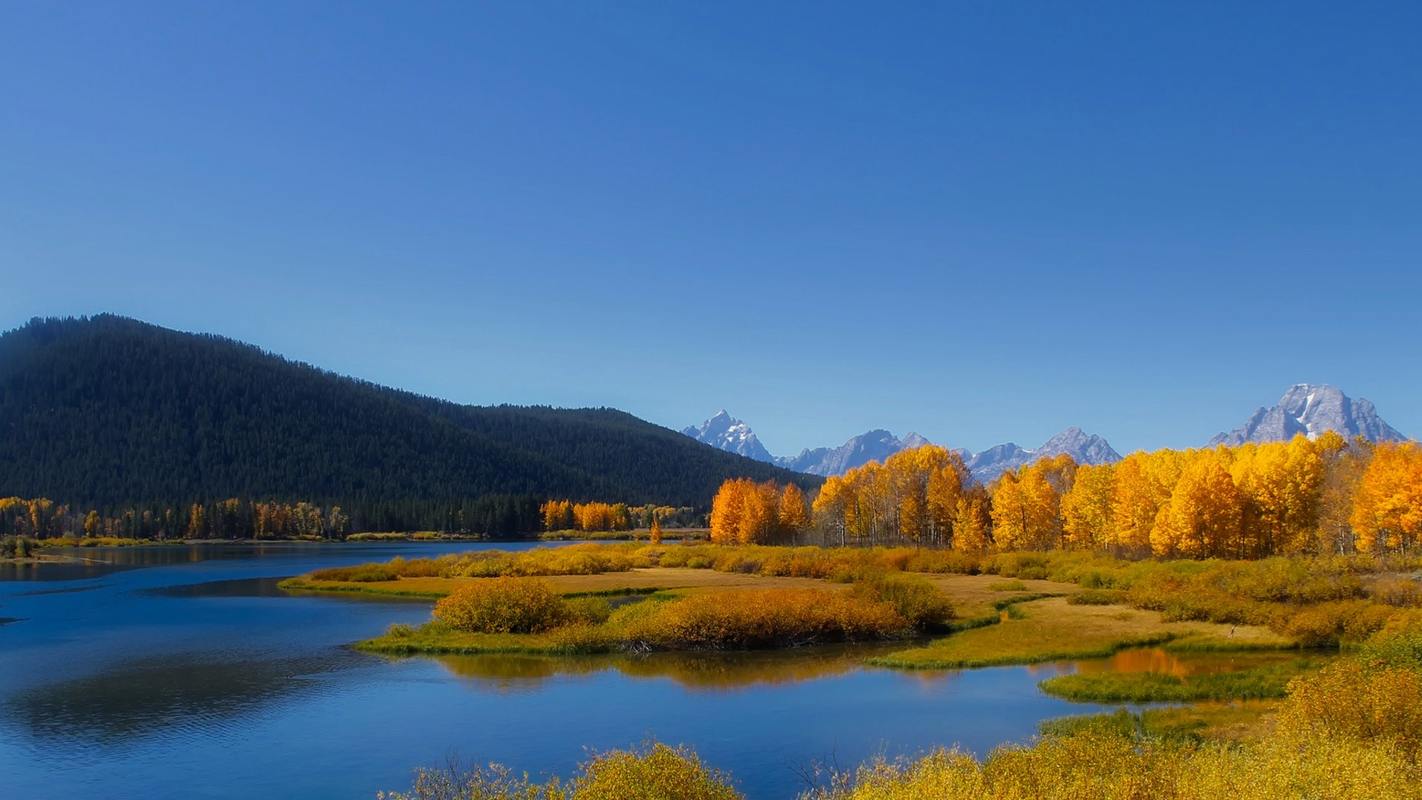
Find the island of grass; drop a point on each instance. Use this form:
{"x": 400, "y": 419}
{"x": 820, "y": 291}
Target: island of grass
{"x": 530, "y": 615}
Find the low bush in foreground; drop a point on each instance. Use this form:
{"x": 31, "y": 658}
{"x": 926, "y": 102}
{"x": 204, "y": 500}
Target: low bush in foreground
{"x": 654, "y": 772}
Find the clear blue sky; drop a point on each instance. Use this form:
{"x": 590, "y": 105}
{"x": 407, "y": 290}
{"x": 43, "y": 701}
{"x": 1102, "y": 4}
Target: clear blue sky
{"x": 981, "y": 221}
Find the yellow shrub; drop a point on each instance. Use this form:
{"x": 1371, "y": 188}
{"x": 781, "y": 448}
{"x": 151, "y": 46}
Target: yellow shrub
{"x": 741, "y": 619}
{"x": 658, "y": 772}
{"x": 502, "y": 605}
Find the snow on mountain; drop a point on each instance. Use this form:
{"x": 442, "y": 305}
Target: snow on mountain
{"x": 1085, "y": 448}
{"x": 733, "y": 435}
{"x": 876, "y": 445}
{"x": 724, "y": 432}
{"x": 1312, "y": 409}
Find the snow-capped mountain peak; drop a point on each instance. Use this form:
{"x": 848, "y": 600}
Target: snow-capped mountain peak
{"x": 727, "y": 433}
{"x": 1312, "y": 409}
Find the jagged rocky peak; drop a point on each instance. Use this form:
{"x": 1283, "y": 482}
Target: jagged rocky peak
{"x": 875, "y": 445}
{"x": 725, "y": 432}
{"x": 1083, "y": 447}
{"x": 1086, "y": 448}
{"x": 1312, "y": 409}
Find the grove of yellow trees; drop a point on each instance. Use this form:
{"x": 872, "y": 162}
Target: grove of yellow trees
{"x": 565, "y": 515}
{"x": 1324, "y": 495}
{"x": 746, "y": 512}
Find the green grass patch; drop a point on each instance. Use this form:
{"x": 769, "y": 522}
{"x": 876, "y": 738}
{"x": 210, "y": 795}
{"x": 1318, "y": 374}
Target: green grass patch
{"x": 1042, "y": 630}
{"x": 1263, "y": 682}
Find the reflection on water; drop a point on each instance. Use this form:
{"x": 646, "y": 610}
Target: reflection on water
{"x": 719, "y": 671}
{"x": 1181, "y": 665}
{"x": 174, "y": 693}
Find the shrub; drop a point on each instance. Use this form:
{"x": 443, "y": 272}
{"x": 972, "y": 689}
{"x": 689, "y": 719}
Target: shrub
{"x": 746, "y": 619}
{"x": 502, "y": 605}
{"x": 586, "y": 610}
{"x": 1097, "y": 597}
{"x": 400, "y": 630}
{"x": 657, "y": 772}
{"x": 364, "y": 573}
{"x": 1356, "y": 700}
{"x": 915, "y": 599}
{"x": 1395, "y": 591}
{"x": 1330, "y": 624}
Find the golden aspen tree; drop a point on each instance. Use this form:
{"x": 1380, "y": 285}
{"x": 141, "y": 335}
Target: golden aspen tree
{"x": 829, "y": 507}
{"x": 1204, "y": 512}
{"x": 1343, "y": 465}
{"x": 794, "y": 516}
{"x": 972, "y": 518}
{"x": 656, "y": 533}
{"x": 1087, "y": 523}
{"x": 1387, "y": 506}
{"x": 727, "y": 508}
{"x": 1144, "y": 482}
{"x": 944, "y": 489}
{"x": 1026, "y": 505}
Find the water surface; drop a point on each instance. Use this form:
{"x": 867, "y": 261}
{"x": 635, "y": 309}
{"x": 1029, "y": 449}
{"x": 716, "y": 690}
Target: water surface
{"x": 163, "y": 672}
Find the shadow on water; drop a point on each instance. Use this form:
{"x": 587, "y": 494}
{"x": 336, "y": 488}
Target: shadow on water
{"x": 166, "y": 696}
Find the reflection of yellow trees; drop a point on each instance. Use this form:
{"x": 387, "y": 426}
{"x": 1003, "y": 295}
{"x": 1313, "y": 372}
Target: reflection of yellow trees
{"x": 700, "y": 671}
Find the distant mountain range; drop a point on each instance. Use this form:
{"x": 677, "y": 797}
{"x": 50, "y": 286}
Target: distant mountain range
{"x": 734, "y": 435}
{"x": 1309, "y": 409}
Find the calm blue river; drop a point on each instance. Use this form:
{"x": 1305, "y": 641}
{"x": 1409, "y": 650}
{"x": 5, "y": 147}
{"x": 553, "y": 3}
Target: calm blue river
{"x": 183, "y": 672}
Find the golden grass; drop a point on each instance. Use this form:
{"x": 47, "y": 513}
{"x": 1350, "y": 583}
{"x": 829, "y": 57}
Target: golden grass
{"x": 980, "y": 595}
{"x": 1054, "y": 630}
{"x": 1237, "y": 721}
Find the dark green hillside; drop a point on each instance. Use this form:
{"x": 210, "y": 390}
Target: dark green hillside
{"x": 108, "y": 411}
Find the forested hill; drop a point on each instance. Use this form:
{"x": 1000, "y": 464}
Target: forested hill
{"x": 108, "y": 411}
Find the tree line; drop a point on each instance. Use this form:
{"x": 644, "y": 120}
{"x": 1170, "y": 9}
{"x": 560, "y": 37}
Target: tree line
{"x": 566, "y": 515}
{"x": 235, "y": 518}
{"x": 1325, "y": 495}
